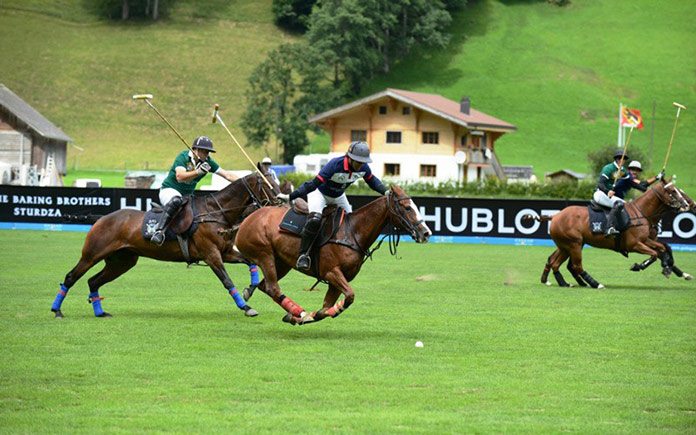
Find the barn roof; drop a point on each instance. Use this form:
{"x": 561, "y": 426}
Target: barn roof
{"x": 433, "y": 103}
{"x": 27, "y": 114}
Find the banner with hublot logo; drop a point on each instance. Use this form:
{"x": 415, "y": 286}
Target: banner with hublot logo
{"x": 450, "y": 219}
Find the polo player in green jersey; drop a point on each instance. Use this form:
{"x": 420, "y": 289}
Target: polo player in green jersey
{"x": 189, "y": 167}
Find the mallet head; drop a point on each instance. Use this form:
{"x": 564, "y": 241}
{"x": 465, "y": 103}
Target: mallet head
{"x": 681, "y": 106}
{"x": 215, "y": 112}
{"x": 142, "y": 97}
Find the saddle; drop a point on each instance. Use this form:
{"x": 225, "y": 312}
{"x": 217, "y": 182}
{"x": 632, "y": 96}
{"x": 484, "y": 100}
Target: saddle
{"x": 331, "y": 220}
{"x": 180, "y": 228}
{"x": 598, "y": 218}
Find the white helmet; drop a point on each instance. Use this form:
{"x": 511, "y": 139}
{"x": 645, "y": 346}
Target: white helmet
{"x": 266, "y": 161}
{"x": 635, "y": 164}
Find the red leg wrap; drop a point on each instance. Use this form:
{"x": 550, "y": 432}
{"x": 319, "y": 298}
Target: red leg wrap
{"x": 291, "y": 307}
{"x": 336, "y": 309}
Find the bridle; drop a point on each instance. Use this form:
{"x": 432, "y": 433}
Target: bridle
{"x": 256, "y": 201}
{"x": 397, "y": 210}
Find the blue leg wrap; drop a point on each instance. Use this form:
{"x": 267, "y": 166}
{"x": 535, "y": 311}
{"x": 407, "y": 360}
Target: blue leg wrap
{"x": 238, "y": 299}
{"x": 254, "y": 272}
{"x": 58, "y": 301}
{"x": 96, "y": 303}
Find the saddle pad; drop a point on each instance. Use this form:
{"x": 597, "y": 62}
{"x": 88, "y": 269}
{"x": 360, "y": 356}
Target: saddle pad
{"x": 150, "y": 220}
{"x": 293, "y": 222}
{"x": 598, "y": 220}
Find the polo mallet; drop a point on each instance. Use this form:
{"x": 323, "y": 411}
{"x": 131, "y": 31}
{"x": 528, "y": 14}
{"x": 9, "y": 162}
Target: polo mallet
{"x": 674, "y": 129}
{"x": 623, "y": 155}
{"x": 216, "y": 117}
{"x": 146, "y": 98}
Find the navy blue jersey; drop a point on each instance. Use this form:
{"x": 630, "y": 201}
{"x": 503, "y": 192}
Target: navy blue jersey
{"x": 335, "y": 177}
{"x": 623, "y": 185}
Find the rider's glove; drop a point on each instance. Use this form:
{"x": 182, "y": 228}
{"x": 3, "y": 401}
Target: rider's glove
{"x": 203, "y": 168}
{"x": 283, "y": 197}
{"x": 660, "y": 176}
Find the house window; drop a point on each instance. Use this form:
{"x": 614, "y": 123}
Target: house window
{"x": 392, "y": 169}
{"x": 382, "y": 110}
{"x": 428, "y": 171}
{"x": 406, "y": 110}
{"x": 431, "y": 137}
{"x": 358, "y": 135}
{"x": 393, "y": 137}
{"x": 463, "y": 140}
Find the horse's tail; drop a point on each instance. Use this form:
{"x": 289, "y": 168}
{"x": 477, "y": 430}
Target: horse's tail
{"x": 82, "y": 218}
{"x": 531, "y": 217}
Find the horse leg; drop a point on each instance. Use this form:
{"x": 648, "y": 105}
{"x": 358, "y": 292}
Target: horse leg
{"x": 662, "y": 253}
{"x": 115, "y": 265}
{"x": 637, "y": 267}
{"x": 576, "y": 260}
{"x": 70, "y": 279}
{"x": 337, "y": 285}
{"x": 576, "y": 275}
{"x": 556, "y": 264}
{"x": 547, "y": 268}
{"x": 253, "y": 282}
{"x": 214, "y": 261}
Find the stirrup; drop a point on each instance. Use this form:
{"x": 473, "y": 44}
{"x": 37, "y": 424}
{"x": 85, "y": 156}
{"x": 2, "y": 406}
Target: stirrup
{"x": 303, "y": 262}
{"x": 611, "y": 232}
{"x": 158, "y": 238}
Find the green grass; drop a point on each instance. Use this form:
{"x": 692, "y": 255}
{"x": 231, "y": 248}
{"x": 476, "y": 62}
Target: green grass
{"x": 558, "y": 74}
{"x": 502, "y": 352}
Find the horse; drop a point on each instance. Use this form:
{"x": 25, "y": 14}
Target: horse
{"x": 570, "y": 230}
{"x": 117, "y": 239}
{"x": 261, "y": 241}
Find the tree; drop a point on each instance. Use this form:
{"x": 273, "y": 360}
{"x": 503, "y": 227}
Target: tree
{"x": 359, "y": 38}
{"x": 293, "y": 14}
{"x": 284, "y": 91}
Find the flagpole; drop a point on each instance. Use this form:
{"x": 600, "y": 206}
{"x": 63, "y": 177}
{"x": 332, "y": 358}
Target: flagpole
{"x": 619, "y": 141}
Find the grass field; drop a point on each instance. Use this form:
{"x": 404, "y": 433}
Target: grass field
{"x": 558, "y": 74}
{"x": 502, "y": 353}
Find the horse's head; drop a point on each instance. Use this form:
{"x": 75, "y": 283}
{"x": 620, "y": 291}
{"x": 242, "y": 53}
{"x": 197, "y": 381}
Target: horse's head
{"x": 287, "y": 186}
{"x": 262, "y": 188}
{"x": 404, "y": 214}
{"x": 673, "y": 197}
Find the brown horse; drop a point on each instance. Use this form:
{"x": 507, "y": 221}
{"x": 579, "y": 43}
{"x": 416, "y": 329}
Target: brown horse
{"x": 570, "y": 230}
{"x": 261, "y": 241}
{"x": 117, "y": 239}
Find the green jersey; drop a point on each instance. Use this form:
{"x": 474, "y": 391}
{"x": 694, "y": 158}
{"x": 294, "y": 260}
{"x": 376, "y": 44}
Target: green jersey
{"x": 185, "y": 160}
{"x": 608, "y": 175}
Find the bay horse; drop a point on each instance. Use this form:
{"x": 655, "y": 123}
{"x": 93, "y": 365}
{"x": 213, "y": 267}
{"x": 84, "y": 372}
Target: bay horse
{"x": 261, "y": 241}
{"x": 117, "y": 239}
{"x": 570, "y": 230}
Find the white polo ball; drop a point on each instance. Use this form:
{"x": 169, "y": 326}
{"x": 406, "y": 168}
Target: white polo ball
{"x": 419, "y": 344}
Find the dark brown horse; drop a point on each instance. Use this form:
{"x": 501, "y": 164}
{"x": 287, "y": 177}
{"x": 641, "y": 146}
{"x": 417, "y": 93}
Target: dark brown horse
{"x": 570, "y": 230}
{"x": 261, "y": 241}
{"x": 117, "y": 239}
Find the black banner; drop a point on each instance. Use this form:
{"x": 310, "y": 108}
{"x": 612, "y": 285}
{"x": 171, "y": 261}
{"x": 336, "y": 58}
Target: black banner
{"x": 446, "y": 217}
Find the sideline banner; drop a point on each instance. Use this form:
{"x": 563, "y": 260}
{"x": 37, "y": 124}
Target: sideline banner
{"x": 450, "y": 219}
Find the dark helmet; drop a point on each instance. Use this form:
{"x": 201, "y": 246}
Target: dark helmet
{"x": 619, "y": 153}
{"x": 360, "y": 152}
{"x": 204, "y": 143}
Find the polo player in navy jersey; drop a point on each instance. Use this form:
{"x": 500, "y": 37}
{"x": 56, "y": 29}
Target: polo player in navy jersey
{"x": 329, "y": 187}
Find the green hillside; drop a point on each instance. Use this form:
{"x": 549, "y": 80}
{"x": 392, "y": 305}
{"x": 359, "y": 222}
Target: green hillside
{"x": 558, "y": 74}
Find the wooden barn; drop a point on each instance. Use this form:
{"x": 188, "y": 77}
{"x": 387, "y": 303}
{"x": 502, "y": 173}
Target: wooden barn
{"x": 27, "y": 138}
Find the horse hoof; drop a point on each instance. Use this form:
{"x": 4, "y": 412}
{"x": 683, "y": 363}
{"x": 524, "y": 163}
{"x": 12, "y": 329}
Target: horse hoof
{"x": 635, "y": 267}
{"x": 104, "y": 315}
{"x": 248, "y": 292}
{"x": 666, "y": 272}
{"x": 251, "y": 312}
{"x": 59, "y": 314}
{"x": 688, "y": 277}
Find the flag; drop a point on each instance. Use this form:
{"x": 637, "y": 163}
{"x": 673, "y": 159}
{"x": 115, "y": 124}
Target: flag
{"x": 631, "y": 118}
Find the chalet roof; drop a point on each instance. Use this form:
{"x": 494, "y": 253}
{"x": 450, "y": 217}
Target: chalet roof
{"x": 576, "y": 175}
{"x": 432, "y": 103}
{"x": 27, "y": 114}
